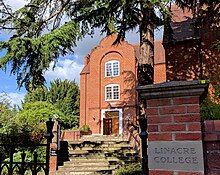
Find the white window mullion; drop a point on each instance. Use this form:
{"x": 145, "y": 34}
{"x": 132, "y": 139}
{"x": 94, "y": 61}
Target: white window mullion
{"x": 112, "y": 68}
{"x": 112, "y": 92}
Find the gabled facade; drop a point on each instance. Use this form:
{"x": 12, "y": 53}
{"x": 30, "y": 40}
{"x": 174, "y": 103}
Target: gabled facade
{"x": 107, "y": 85}
{"x": 108, "y": 79}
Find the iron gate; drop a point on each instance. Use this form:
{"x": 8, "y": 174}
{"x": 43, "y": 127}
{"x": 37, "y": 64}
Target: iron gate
{"x": 28, "y": 163}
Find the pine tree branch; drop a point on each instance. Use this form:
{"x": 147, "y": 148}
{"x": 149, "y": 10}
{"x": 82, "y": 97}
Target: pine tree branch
{"x": 6, "y": 8}
{"x": 57, "y": 13}
{"x": 7, "y": 28}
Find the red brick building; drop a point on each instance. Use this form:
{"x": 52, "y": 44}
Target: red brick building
{"x": 108, "y": 79}
{"x": 189, "y": 52}
{"x": 107, "y": 85}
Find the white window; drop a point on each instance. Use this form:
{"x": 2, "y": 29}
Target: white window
{"x": 112, "y": 92}
{"x": 112, "y": 68}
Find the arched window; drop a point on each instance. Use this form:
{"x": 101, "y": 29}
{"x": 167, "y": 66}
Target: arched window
{"x": 112, "y": 92}
{"x": 112, "y": 68}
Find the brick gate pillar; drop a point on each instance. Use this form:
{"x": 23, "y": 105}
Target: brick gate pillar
{"x": 175, "y": 144}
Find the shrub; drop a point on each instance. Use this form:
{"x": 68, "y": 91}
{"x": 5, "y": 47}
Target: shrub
{"x": 85, "y": 128}
{"x": 33, "y": 117}
{"x": 64, "y": 95}
{"x": 210, "y": 110}
{"x": 131, "y": 169}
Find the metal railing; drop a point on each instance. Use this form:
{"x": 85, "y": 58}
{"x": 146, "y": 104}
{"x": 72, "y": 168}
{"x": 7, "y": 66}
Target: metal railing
{"x": 28, "y": 159}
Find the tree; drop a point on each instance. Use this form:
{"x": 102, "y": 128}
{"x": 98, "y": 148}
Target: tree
{"x": 64, "y": 95}
{"x": 40, "y": 35}
{"x": 25, "y": 127}
{"x": 33, "y": 117}
{"x": 7, "y": 115}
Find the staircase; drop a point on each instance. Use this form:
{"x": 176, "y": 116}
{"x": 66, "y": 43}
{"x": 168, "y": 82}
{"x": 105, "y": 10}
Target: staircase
{"x": 95, "y": 155}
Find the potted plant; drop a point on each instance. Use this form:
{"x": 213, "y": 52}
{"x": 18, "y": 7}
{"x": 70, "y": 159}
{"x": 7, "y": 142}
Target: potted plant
{"x": 85, "y": 130}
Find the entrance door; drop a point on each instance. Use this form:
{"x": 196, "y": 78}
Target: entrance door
{"x": 107, "y": 130}
{"x": 111, "y": 123}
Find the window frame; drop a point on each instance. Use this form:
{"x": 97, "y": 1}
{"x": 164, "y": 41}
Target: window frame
{"x": 111, "y": 62}
{"x": 112, "y": 92}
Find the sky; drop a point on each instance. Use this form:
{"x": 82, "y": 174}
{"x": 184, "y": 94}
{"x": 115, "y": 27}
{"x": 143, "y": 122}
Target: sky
{"x": 68, "y": 67}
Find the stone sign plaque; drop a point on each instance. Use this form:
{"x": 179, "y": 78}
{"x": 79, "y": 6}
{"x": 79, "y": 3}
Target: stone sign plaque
{"x": 176, "y": 155}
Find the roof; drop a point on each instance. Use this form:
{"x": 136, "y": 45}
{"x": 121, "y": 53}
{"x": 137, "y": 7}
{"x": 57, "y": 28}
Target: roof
{"x": 86, "y": 69}
{"x": 182, "y": 25}
{"x": 178, "y": 15}
{"x": 159, "y": 56}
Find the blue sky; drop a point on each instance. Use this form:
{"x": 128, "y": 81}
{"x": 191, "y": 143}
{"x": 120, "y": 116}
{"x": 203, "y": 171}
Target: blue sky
{"x": 67, "y": 67}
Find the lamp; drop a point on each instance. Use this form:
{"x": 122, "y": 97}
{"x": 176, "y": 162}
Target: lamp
{"x": 49, "y": 135}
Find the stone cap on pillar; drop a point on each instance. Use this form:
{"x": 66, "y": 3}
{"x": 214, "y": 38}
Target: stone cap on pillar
{"x": 173, "y": 89}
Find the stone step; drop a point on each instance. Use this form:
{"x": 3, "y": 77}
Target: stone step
{"x": 99, "y": 143}
{"x": 78, "y": 152}
{"x": 86, "y": 159}
{"x": 79, "y": 173}
{"x": 93, "y": 159}
{"x": 104, "y": 148}
{"x": 103, "y": 138}
{"x": 104, "y": 154}
{"x": 101, "y": 172}
{"x": 111, "y": 149}
{"x": 97, "y": 155}
{"x": 87, "y": 168}
{"x": 124, "y": 145}
{"x": 85, "y": 164}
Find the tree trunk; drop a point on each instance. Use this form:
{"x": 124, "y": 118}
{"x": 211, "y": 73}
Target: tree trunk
{"x": 146, "y": 60}
{"x": 145, "y": 76}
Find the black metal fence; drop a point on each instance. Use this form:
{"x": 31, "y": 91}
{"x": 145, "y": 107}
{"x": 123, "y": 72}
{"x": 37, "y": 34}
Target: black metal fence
{"x": 19, "y": 156}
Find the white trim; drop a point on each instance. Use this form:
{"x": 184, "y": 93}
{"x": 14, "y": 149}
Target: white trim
{"x": 120, "y": 119}
{"x": 112, "y": 92}
{"x": 112, "y": 69}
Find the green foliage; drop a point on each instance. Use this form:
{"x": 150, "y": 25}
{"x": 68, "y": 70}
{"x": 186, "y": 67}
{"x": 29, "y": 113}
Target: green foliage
{"x": 29, "y": 157}
{"x": 85, "y": 128}
{"x": 37, "y": 40}
{"x": 38, "y": 94}
{"x": 26, "y": 126}
{"x": 210, "y": 110}
{"x": 64, "y": 95}
{"x": 7, "y": 115}
{"x": 132, "y": 169}
{"x": 217, "y": 45}
{"x": 30, "y": 56}
{"x": 40, "y": 35}
{"x": 41, "y": 152}
{"x": 33, "y": 118}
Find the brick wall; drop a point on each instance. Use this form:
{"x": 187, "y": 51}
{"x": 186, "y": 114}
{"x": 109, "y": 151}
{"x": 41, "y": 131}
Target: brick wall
{"x": 53, "y": 159}
{"x": 160, "y": 73}
{"x": 174, "y": 123}
{"x": 69, "y": 135}
{"x": 175, "y": 118}
{"x": 93, "y": 82}
{"x": 212, "y": 144}
{"x": 182, "y": 62}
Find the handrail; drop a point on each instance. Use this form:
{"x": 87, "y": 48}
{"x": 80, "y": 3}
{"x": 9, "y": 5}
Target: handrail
{"x": 133, "y": 136}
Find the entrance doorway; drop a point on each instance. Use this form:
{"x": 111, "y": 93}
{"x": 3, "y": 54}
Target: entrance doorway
{"x": 111, "y": 122}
